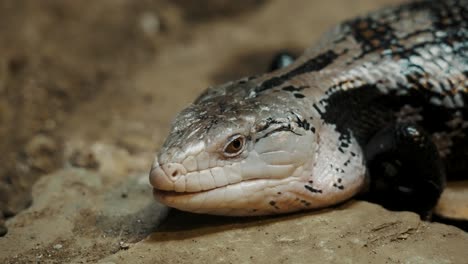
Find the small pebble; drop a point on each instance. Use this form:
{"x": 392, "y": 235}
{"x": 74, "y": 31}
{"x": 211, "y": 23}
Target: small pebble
{"x": 150, "y": 23}
{"x": 124, "y": 245}
{"x": 403, "y": 236}
{"x": 58, "y": 246}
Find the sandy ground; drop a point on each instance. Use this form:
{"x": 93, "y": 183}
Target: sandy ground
{"x": 94, "y": 85}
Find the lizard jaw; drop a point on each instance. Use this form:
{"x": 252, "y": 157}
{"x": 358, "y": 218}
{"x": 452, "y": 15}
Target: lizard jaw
{"x": 246, "y": 198}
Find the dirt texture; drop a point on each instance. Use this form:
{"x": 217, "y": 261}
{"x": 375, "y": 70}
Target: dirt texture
{"x": 80, "y": 216}
{"x": 87, "y": 93}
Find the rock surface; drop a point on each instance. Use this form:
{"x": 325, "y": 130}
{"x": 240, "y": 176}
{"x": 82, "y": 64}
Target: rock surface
{"x": 357, "y": 232}
{"x": 454, "y": 201}
{"x": 83, "y": 216}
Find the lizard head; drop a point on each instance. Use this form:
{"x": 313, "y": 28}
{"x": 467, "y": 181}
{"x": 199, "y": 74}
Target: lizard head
{"x": 234, "y": 157}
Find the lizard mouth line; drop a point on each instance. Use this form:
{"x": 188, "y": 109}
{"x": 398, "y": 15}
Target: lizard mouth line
{"x": 164, "y": 193}
{"x": 174, "y": 193}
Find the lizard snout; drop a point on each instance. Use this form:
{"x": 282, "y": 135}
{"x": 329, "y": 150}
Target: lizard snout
{"x": 162, "y": 177}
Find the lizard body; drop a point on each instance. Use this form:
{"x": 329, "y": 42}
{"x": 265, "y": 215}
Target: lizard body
{"x": 307, "y": 135}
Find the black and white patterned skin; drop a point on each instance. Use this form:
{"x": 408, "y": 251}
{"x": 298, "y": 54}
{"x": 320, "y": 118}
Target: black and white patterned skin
{"x": 298, "y": 137}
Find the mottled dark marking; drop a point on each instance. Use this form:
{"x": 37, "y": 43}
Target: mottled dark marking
{"x": 246, "y": 79}
{"x": 449, "y": 15}
{"x": 271, "y": 83}
{"x": 273, "y": 203}
{"x": 213, "y": 122}
{"x": 360, "y": 110}
{"x": 311, "y": 189}
{"x": 302, "y": 123}
{"x": 315, "y": 64}
{"x": 287, "y": 128}
{"x": 372, "y": 35}
{"x": 300, "y": 96}
{"x": 270, "y": 121}
{"x": 341, "y": 187}
{"x": 318, "y": 109}
{"x": 346, "y": 137}
{"x": 291, "y": 88}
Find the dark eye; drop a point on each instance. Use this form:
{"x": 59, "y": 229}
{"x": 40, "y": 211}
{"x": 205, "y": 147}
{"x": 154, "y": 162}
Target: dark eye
{"x": 234, "y": 146}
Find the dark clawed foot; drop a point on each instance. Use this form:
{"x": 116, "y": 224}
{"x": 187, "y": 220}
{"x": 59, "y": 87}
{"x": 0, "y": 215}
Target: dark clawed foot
{"x": 406, "y": 172}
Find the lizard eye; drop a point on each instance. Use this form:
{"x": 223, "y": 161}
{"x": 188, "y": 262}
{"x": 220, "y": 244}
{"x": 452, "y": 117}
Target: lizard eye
{"x": 234, "y": 146}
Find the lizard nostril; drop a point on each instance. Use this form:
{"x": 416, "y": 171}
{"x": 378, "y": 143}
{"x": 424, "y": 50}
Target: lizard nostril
{"x": 173, "y": 170}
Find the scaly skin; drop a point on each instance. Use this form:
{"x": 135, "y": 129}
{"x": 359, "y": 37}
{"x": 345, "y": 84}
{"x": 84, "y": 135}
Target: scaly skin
{"x": 304, "y": 126}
